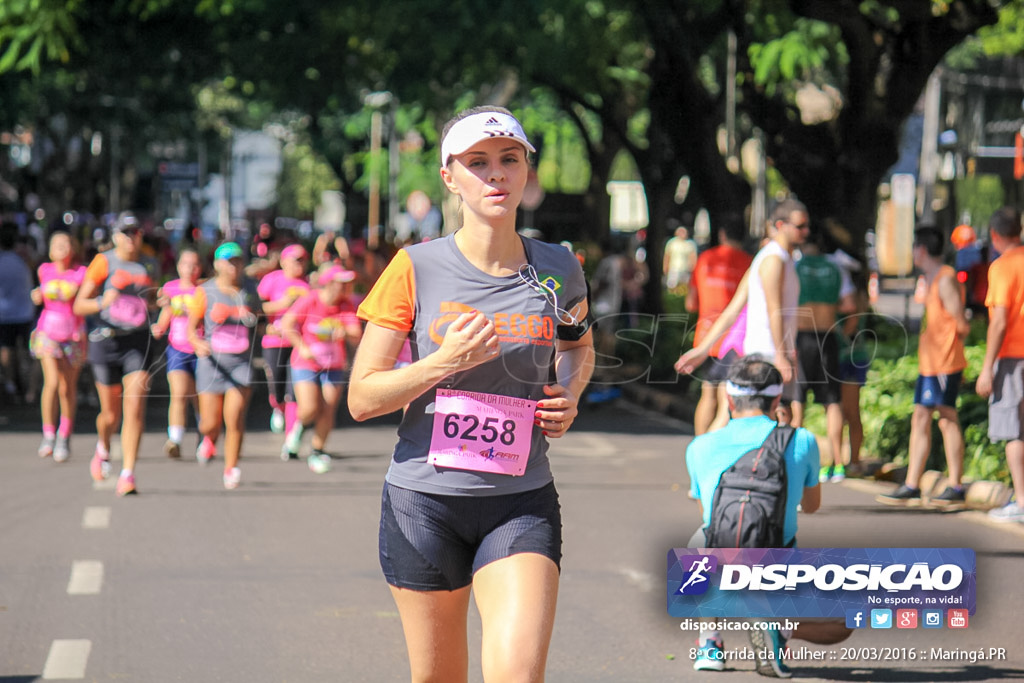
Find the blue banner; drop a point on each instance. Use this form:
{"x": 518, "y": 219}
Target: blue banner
{"x": 817, "y": 582}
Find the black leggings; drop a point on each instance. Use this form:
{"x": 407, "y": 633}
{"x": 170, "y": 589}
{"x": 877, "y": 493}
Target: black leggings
{"x": 279, "y": 375}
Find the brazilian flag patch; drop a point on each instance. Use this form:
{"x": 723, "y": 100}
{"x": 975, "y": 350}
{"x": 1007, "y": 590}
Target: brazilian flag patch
{"x": 552, "y": 282}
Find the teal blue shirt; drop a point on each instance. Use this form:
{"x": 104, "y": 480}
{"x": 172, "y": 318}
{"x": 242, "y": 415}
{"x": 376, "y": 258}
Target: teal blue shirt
{"x": 713, "y": 453}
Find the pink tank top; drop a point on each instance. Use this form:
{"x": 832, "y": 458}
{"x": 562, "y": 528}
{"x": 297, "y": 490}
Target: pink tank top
{"x": 733, "y": 339}
{"x": 323, "y": 331}
{"x": 273, "y": 287}
{"x": 180, "y": 295}
{"x": 58, "y": 320}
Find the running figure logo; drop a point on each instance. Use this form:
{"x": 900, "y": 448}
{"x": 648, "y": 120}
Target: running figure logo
{"x": 696, "y": 580}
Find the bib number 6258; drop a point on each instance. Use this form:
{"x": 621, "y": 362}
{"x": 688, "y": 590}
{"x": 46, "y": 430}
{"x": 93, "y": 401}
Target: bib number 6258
{"x": 473, "y": 430}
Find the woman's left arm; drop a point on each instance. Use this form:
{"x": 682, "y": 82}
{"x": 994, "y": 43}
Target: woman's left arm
{"x": 574, "y": 364}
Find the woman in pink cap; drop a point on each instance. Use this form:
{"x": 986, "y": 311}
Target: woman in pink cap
{"x": 279, "y": 289}
{"x": 318, "y": 326}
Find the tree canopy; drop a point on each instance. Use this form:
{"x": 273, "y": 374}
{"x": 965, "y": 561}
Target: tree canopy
{"x": 828, "y": 83}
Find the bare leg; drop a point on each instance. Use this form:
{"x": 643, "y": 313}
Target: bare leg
{"x": 722, "y": 416}
{"x": 516, "y": 597}
{"x": 851, "y": 413}
{"x": 110, "y": 412}
{"x": 67, "y": 390}
{"x": 834, "y": 430}
{"x": 920, "y": 444}
{"x": 183, "y": 389}
{"x": 48, "y": 396}
{"x": 797, "y": 410}
{"x": 434, "y": 623}
{"x": 953, "y": 443}
{"x": 1015, "y": 461}
{"x": 707, "y": 407}
{"x": 136, "y": 390}
{"x": 328, "y": 409}
{"x": 309, "y": 400}
{"x": 235, "y": 403}
{"x": 211, "y": 415}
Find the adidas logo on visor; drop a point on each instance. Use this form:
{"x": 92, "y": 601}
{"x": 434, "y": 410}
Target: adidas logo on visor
{"x": 492, "y": 122}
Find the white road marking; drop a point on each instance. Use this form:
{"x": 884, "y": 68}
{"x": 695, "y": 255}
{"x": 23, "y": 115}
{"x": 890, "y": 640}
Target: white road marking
{"x": 86, "y": 577}
{"x": 96, "y": 518}
{"x": 67, "y": 659}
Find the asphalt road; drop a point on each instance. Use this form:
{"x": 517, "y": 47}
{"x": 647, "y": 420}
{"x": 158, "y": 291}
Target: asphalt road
{"x": 279, "y": 581}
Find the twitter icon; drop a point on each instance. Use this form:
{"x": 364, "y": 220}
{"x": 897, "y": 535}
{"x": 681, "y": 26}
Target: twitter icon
{"x": 881, "y": 618}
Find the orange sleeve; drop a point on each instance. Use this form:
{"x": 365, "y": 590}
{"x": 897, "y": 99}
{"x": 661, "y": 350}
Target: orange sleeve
{"x": 197, "y": 306}
{"x": 998, "y": 285}
{"x": 392, "y": 301}
{"x": 97, "y": 271}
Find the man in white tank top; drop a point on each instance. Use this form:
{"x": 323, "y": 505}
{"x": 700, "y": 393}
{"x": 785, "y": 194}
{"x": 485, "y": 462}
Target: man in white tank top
{"x": 770, "y": 291}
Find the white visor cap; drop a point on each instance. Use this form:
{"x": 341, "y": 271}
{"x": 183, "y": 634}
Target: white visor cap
{"x": 476, "y": 127}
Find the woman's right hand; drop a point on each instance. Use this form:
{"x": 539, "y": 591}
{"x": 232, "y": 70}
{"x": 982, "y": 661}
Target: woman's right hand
{"x": 202, "y": 347}
{"x": 469, "y": 341}
{"x": 690, "y": 361}
{"x": 109, "y": 297}
{"x": 784, "y": 364}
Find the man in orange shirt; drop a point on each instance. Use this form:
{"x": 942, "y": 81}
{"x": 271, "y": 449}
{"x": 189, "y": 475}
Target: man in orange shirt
{"x": 1002, "y": 375}
{"x": 941, "y": 363}
{"x": 712, "y": 285}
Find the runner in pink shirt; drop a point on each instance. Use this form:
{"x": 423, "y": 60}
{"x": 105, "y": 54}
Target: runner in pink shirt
{"x": 174, "y": 299}
{"x": 59, "y": 342}
{"x": 318, "y": 326}
{"x": 279, "y": 289}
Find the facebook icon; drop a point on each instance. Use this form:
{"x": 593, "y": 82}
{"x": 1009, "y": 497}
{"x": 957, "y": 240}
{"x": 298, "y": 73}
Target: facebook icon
{"x": 855, "y": 618}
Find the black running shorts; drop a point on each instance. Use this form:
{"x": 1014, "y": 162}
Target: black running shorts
{"x": 432, "y": 542}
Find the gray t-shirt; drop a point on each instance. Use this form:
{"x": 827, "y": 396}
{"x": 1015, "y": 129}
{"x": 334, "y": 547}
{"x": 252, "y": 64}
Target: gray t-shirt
{"x": 229, "y": 319}
{"x": 424, "y": 289}
{"x": 130, "y": 310}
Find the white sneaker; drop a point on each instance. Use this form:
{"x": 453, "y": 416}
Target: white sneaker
{"x": 319, "y": 462}
{"x": 1011, "y": 512}
{"x": 277, "y": 421}
{"x": 709, "y": 656}
{"x": 292, "y": 442}
{"x": 45, "y": 449}
{"x": 232, "y": 478}
{"x": 61, "y": 449}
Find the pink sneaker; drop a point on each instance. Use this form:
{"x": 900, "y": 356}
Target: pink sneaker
{"x": 99, "y": 467}
{"x": 126, "y": 484}
{"x": 207, "y": 449}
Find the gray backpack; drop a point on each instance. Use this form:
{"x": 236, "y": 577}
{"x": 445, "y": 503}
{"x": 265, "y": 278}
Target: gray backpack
{"x": 749, "y": 507}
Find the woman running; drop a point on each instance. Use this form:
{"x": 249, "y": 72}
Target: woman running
{"x": 117, "y": 289}
{"x": 59, "y": 342}
{"x": 279, "y": 289}
{"x": 502, "y": 351}
{"x": 174, "y": 299}
{"x": 318, "y": 326}
{"x": 226, "y": 308}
